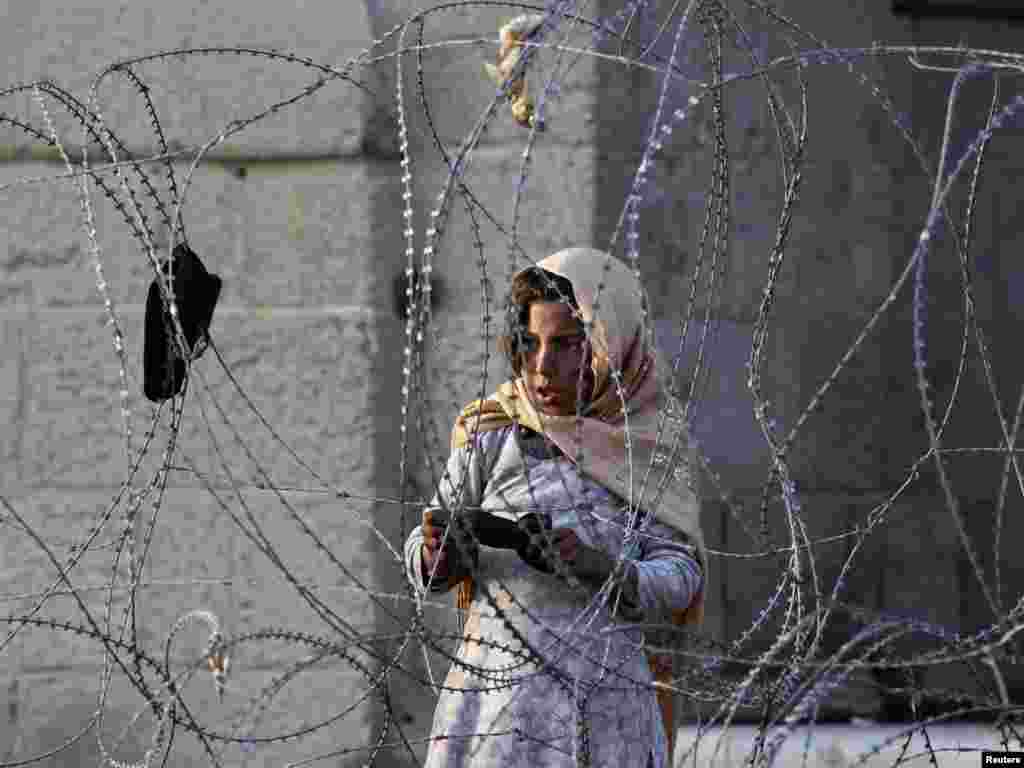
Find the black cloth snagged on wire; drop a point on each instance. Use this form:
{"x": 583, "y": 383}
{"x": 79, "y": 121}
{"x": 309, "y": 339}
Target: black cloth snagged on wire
{"x": 195, "y": 293}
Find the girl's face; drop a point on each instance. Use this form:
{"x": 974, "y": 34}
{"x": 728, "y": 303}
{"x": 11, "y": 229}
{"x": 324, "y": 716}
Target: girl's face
{"x": 554, "y": 349}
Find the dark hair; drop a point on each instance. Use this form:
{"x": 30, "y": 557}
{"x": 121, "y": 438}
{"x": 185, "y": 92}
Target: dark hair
{"x": 530, "y": 285}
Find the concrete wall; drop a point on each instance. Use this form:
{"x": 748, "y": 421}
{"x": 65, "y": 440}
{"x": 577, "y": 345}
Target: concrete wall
{"x": 296, "y": 325}
{"x": 300, "y": 215}
{"x": 863, "y": 201}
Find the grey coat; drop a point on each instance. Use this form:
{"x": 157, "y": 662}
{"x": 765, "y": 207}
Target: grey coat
{"x": 551, "y": 668}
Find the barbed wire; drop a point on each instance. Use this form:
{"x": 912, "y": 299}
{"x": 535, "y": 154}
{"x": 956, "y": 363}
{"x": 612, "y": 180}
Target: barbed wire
{"x": 781, "y": 668}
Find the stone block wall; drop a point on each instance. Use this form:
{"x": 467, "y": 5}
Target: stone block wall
{"x": 295, "y": 325}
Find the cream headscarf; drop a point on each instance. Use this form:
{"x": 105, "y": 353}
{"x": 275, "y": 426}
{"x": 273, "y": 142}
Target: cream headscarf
{"x": 618, "y": 447}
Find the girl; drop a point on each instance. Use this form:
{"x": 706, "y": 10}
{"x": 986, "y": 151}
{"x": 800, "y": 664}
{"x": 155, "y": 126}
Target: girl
{"x": 576, "y": 452}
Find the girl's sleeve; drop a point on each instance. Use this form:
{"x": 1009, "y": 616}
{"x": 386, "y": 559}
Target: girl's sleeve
{"x": 460, "y": 486}
{"x": 667, "y": 576}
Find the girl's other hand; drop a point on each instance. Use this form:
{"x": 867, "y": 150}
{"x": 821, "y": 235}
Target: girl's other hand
{"x": 432, "y": 550}
{"x": 585, "y": 561}
{"x": 566, "y": 544}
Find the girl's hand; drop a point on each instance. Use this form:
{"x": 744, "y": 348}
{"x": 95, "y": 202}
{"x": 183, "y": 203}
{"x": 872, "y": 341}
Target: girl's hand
{"x": 593, "y": 566}
{"x": 585, "y": 561}
{"x": 566, "y": 544}
{"x": 432, "y": 549}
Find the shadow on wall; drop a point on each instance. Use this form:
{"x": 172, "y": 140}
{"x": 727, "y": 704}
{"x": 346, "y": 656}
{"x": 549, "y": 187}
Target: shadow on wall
{"x": 723, "y": 411}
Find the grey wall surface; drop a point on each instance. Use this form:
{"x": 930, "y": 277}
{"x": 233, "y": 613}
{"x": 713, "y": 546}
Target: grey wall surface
{"x": 300, "y": 214}
{"x": 863, "y": 200}
{"x": 296, "y": 325}
{"x": 72, "y": 43}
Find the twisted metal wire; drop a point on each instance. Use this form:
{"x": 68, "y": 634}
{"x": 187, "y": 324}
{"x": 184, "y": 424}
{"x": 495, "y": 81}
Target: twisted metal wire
{"x": 779, "y": 665}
